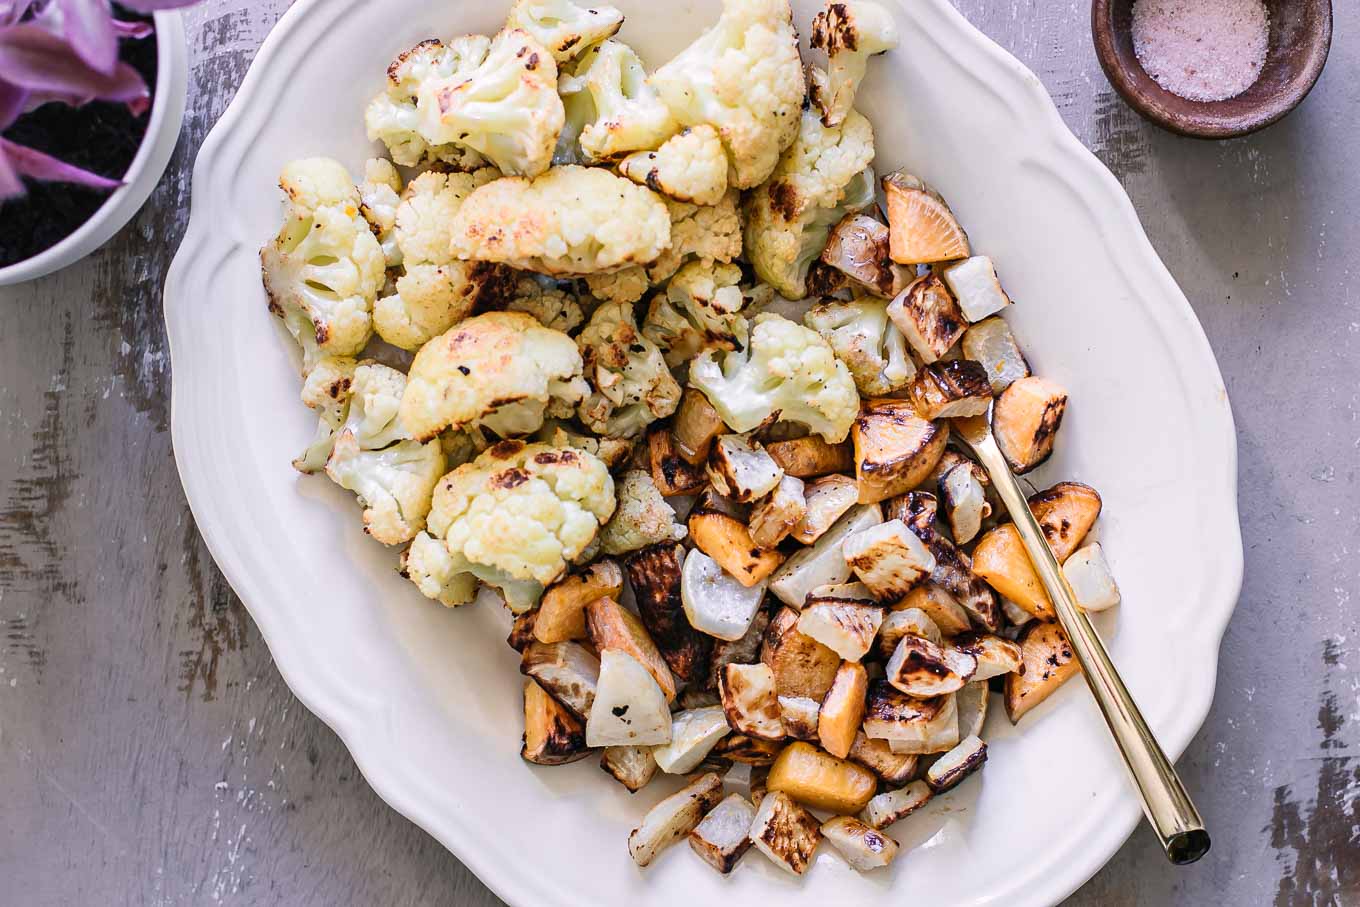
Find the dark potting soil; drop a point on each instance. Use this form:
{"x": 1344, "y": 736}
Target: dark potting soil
{"x": 101, "y": 137}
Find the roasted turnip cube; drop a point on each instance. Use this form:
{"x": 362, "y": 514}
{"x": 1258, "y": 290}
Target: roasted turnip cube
{"x": 693, "y": 734}
{"x": 919, "y": 667}
{"x": 992, "y": 343}
{"x": 749, "y": 701}
{"x": 722, "y": 838}
{"x": 957, "y": 764}
{"x": 928, "y": 317}
{"x": 974, "y": 284}
{"x": 1088, "y": 573}
{"x": 785, "y": 832}
{"x": 889, "y": 806}
{"x": 846, "y": 626}
{"x": 889, "y": 559}
{"x": 674, "y": 818}
{"x": 864, "y": 847}
{"x": 950, "y": 389}
{"x": 740, "y": 469}
{"x": 1026, "y": 420}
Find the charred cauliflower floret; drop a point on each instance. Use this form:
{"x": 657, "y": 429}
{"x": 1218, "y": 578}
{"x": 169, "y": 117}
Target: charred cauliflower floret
{"x": 614, "y": 452}
{"x": 503, "y": 370}
{"x": 394, "y": 484}
{"x": 323, "y": 270}
{"x": 631, "y": 385}
{"x": 819, "y": 178}
{"x": 628, "y": 114}
{"x": 398, "y": 116}
{"x": 850, "y": 33}
{"x": 642, "y": 517}
{"x": 507, "y": 109}
{"x": 700, "y": 233}
{"x": 744, "y": 78}
{"x": 327, "y": 390}
{"x": 435, "y": 291}
{"x": 700, "y": 310}
{"x": 867, "y": 341}
{"x": 689, "y": 167}
{"x": 564, "y": 28}
{"x": 547, "y": 300}
{"x": 569, "y": 221}
{"x": 515, "y": 518}
{"x": 628, "y": 285}
{"x": 380, "y": 196}
{"x": 786, "y": 371}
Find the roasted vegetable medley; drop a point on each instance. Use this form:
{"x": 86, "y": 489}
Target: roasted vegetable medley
{"x": 653, "y": 357}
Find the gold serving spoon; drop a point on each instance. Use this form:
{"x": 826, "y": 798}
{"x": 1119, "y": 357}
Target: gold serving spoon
{"x": 1165, "y": 802}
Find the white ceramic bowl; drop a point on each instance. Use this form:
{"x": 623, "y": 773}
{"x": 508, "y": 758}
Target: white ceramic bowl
{"x": 167, "y": 114}
{"x": 428, "y": 700}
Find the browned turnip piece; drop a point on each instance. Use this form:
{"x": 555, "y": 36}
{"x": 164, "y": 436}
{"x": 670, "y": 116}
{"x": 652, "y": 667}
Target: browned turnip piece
{"x": 921, "y": 226}
{"x": 674, "y": 818}
{"x": 895, "y": 449}
{"x": 919, "y": 667}
{"x": 672, "y": 473}
{"x": 1047, "y": 663}
{"x": 928, "y": 318}
{"x": 858, "y": 248}
{"x": 749, "y": 701}
{"x": 695, "y": 425}
{"x": 843, "y": 709}
{"x": 1026, "y": 419}
{"x": 950, "y": 389}
{"x": 552, "y": 734}
{"x": 825, "y": 500}
{"x": 991, "y": 342}
{"x": 802, "y": 666}
{"x": 562, "y": 613}
{"x": 957, "y": 764}
{"x": 1066, "y": 512}
{"x": 810, "y": 456}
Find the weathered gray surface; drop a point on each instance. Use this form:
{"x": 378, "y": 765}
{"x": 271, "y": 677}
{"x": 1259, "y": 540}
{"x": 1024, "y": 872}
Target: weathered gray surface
{"x": 150, "y": 753}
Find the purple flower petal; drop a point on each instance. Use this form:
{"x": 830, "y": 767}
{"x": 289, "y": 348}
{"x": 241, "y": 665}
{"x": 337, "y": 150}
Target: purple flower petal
{"x": 39, "y": 166}
{"x": 11, "y": 11}
{"x": 39, "y": 61}
{"x": 133, "y": 30}
{"x": 12, "y": 103}
{"x": 10, "y": 184}
{"x": 88, "y": 25}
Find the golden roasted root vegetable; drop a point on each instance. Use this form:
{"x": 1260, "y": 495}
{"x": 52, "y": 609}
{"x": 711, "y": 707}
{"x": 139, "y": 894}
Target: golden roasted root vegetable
{"x": 818, "y": 779}
{"x": 522, "y": 630}
{"x": 631, "y": 766}
{"x": 1026, "y": 419}
{"x": 908, "y": 723}
{"x": 727, "y": 540}
{"x": 957, "y": 764}
{"x": 1066, "y": 512}
{"x": 612, "y": 626}
{"x": 972, "y": 701}
{"x": 843, "y": 709}
{"x": 802, "y": 666}
{"x": 937, "y": 604}
{"x": 1047, "y": 663}
{"x": 695, "y": 425}
{"x": 785, "y": 832}
{"x": 954, "y": 573}
{"x": 889, "y": 806}
{"x": 889, "y": 559}
{"x": 694, "y": 733}
{"x": 895, "y": 449}
{"x": 1000, "y": 558}
{"x": 825, "y": 499}
{"x": 950, "y": 389}
{"x": 552, "y": 735}
{"x": 562, "y": 613}
{"x": 738, "y": 651}
{"x": 919, "y": 667}
{"x": 749, "y": 701}
{"x": 864, "y": 847}
{"x": 905, "y": 622}
{"x": 810, "y": 456}
{"x": 568, "y": 671}
{"x": 928, "y": 318}
{"x": 654, "y": 573}
{"x": 995, "y": 655}
{"x": 747, "y": 750}
{"x": 778, "y": 512}
{"x": 922, "y": 229}
{"x": 672, "y": 473}
{"x": 741, "y": 469}
{"x": 721, "y": 839}
{"x": 823, "y": 563}
{"x": 847, "y": 626}
{"x": 673, "y": 818}
{"x": 963, "y": 494}
{"x": 878, "y": 757}
{"x": 801, "y": 715}
{"x": 858, "y": 248}
{"x": 915, "y": 508}
{"x": 992, "y": 343}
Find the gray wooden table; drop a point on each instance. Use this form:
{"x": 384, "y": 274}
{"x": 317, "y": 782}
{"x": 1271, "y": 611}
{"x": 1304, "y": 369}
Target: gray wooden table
{"x": 150, "y": 753}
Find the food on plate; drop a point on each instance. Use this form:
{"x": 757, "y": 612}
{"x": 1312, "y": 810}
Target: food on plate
{"x": 634, "y": 350}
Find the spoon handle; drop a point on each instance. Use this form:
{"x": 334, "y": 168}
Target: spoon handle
{"x": 1165, "y": 802}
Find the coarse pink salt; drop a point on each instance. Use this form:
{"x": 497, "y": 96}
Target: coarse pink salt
{"x": 1202, "y": 50}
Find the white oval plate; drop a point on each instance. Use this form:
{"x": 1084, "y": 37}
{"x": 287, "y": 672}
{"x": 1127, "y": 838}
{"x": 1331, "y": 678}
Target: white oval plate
{"x": 428, "y": 700}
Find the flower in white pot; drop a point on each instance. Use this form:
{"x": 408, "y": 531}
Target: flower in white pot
{"x": 79, "y": 151}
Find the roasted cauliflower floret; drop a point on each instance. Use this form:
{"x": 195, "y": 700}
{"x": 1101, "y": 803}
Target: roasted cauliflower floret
{"x": 744, "y": 78}
{"x": 632, "y": 387}
{"x": 818, "y": 179}
{"x": 394, "y": 485}
{"x": 700, "y": 310}
{"x": 397, "y": 117}
{"x": 786, "y": 371}
{"x": 380, "y": 195}
{"x": 563, "y": 27}
{"x": 547, "y": 300}
{"x": 501, "y": 369}
{"x": 435, "y": 291}
{"x": 628, "y": 285}
{"x": 515, "y": 518}
{"x": 323, "y": 270}
{"x": 700, "y": 232}
{"x": 327, "y": 390}
{"x": 867, "y": 341}
{"x": 850, "y": 33}
{"x": 507, "y": 109}
{"x": 373, "y": 417}
{"x": 641, "y": 518}
{"x": 628, "y": 116}
{"x": 613, "y": 451}
{"x": 428, "y": 564}
{"x": 689, "y": 167}
{"x": 569, "y": 221}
